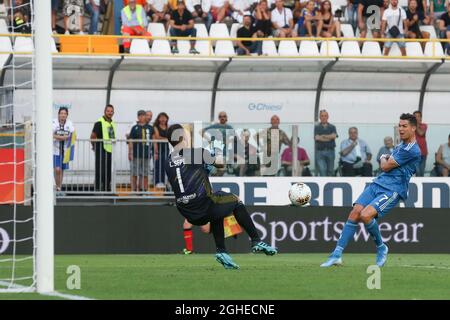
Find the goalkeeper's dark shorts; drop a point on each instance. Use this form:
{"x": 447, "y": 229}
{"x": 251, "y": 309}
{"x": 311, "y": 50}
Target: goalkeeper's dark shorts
{"x": 222, "y": 204}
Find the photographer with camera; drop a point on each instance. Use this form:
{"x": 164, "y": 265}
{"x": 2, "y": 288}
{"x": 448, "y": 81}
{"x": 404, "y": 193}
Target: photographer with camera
{"x": 355, "y": 156}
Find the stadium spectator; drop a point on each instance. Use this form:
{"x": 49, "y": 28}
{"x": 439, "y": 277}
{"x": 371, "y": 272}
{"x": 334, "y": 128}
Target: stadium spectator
{"x": 330, "y": 26}
{"x": 394, "y": 26}
{"x": 104, "y": 130}
{"x": 20, "y": 17}
{"x": 93, "y": 8}
{"x": 73, "y": 9}
{"x": 55, "y": 7}
{"x": 421, "y": 139}
{"x": 264, "y": 138}
{"x": 351, "y": 12}
{"x": 219, "y": 131}
{"x": 148, "y": 116}
{"x": 310, "y": 23}
{"x": 414, "y": 17}
{"x": 220, "y": 9}
{"x": 246, "y": 156}
{"x": 355, "y": 156}
{"x": 62, "y": 134}
{"x": 139, "y": 153}
{"x": 444, "y": 28}
{"x": 297, "y": 10}
{"x": 238, "y": 9}
{"x": 387, "y": 148}
{"x": 118, "y": 7}
{"x": 262, "y": 17}
{"x": 325, "y": 135}
{"x": 437, "y": 9}
{"x": 200, "y": 10}
{"x": 443, "y": 158}
{"x": 182, "y": 25}
{"x": 282, "y": 21}
{"x": 302, "y": 161}
{"x": 249, "y": 31}
{"x": 161, "y": 148}
{"x": 158, "y": 11}
{"x": 423, "y": 9}
{"x": 365, "y": 23}
{"x": 134, "y": 23}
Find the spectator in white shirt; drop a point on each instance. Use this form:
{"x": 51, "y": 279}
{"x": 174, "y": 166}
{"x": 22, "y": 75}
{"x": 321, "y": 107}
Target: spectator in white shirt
{"x": 159, "y": 10}
{"x": 238, "y": 7}
{"x": 200, "y": 10}
{"x": 282, "y": 21}
{"x": 220, "y": 9}
{"x": 394, "y": 26}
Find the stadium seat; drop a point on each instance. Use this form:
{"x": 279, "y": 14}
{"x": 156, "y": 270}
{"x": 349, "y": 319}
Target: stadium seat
{"x": 350, "y": 48}
{"x": 23, "y": 44}
{"x": 438, "y": 50}
{"x": 234, "y": 28}
{"x": 330, "y": 48}
{"x": 184, "y": 46}
{"x": 201, "y": 30}
{"x": 308, "y": 48}
{"x": 3, "y": 26}
{"x": 224, "y": 48}
{"x": 139, "y": 46}
{"x": 403, "y": 3}
{"x": 430, "y": 30}
{"x": 269, "y": 48}
{"x": 371, "y": 49}
{"x": 414, "y": 49}
{"x": 347, "y": 30}
{"x": 287, "y": 48}
{"x": 54, "y": 50}
{"x": 395, "y": 51}
{"x": 5, "y": 46}
{"x": 219, "y": 30}
{"x": 161, "y": 47}
{"x": 204, "y": 48}
{"x": 157, "y": 29}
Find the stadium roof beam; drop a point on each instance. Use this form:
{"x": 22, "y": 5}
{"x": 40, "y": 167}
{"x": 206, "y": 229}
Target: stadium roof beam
{"x": 426, "y": 78}
{"x": 323, "y": 73}
{"x": 219, "y": 71}
{"x": 114, "y": 67}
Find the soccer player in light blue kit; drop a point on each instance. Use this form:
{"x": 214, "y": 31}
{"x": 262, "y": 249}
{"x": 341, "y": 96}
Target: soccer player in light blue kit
{"x": 383, "y": 193}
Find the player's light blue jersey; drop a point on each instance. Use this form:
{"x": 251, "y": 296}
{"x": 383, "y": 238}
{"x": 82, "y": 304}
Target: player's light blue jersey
{"x": 407, "y": 156}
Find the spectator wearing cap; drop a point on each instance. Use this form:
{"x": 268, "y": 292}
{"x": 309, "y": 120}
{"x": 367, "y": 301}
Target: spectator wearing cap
{"x": 182, "y": 25}
{"x": 134, "y": 22}
{"x": 325, "y": 135}
{"x": 246, "y": 47}
{"x": 421, "y": 138}
{"x": 139, "y": 152}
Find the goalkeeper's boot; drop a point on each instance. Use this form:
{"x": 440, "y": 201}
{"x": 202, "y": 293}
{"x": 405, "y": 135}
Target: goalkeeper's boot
{"x": 335, "y": 259}
{"x": 264, "y": 248}
{"x": 224, "y": 259}
{"x": 382, "y": 252}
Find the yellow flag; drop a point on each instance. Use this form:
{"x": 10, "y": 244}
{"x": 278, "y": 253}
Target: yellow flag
{"x": 231, "y": 226}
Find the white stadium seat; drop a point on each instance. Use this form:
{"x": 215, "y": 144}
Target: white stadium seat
{"x": 287, "y": 48}
{"x": 3, "y": 26}
{"x": 330, "y": 48}
{"x": 23, "y": 44}
{"x": 201, "y": 30}
{"x": 308, "y": 48}
{"x": 54, "y": 46}
{"x": 414, "y": 49}
{"x": 5, "y": 46}
{"x": 204, "y": 48}
{"x": 219, "y": 30}
{"x": 157, "y": 29}
{"x": 139, "y": 46}
{"x": 371, "y": 49}
{"x": 184, "y": 46}
{"x": 161, "y": 47}
{"x": 347, "y": 30}
{"x": 350, "y": 48}
{"x": 269, "y": 48}
{"x": 430, "y": 30}
{"x": 224, "y": 48}
{"x": 436, "y": 46}
{"x": 234, "y": 28}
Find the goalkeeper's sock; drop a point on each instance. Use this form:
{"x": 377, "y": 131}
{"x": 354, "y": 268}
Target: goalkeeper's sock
{"x": 246, "y": 222}
{"x": 347, "y": 233}
{"x": 188, "y": 239}
{"x": 374, "y": 230}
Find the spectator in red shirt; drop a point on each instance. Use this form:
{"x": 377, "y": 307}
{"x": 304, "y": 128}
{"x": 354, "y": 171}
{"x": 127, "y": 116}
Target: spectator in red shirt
{"x": 302, "y": 161}
{"x": 422, "y": 142}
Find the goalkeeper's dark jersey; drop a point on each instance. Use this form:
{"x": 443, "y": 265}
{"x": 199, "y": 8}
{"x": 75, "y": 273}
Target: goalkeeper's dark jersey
{"x": 189, "y": 180}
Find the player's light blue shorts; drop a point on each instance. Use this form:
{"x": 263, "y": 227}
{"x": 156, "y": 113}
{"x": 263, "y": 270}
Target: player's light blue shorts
{"x": 378, "y": 197}
{"x": 58, "y": 163}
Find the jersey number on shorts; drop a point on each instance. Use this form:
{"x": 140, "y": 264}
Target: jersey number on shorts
{"x": 180, "y": 182}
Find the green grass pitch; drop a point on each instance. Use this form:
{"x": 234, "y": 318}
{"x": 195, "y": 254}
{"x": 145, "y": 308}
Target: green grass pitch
{"x": 284, "y": 276}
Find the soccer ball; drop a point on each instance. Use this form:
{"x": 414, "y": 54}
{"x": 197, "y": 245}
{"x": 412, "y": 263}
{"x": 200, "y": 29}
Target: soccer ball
{"x": 299, "y": 194}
